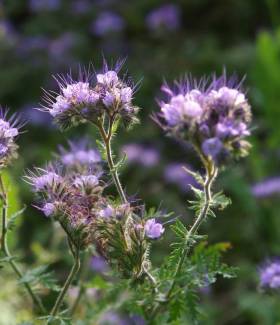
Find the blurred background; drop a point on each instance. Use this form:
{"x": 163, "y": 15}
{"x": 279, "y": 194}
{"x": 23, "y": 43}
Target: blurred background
{"x": 161, "y": 40}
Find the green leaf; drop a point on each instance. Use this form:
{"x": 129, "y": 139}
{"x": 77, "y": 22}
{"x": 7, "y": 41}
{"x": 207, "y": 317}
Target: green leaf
{"x": 40, "y": 276}
{"x": 13, "y": 218}
{"x": 220, "y": 201}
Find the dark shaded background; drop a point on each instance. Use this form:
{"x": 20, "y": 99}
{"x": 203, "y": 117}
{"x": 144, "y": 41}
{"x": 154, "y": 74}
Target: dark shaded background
{"x": 45, "y": 37}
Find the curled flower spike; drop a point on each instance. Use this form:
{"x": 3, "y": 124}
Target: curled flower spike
{"x": 9, "y": 130}
{"x": 214, "y": 116}
{"x": 90, "y": 97}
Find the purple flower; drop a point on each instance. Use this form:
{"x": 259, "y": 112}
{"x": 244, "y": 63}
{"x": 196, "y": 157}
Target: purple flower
{"x": 174, "y": 173}
{"x": 270, "y": 275}
{"x": 107, "y": 22}
{"x": 212, "y": 147}
{"x": 166, "y": 17}
{"x": 42, "y": 5}
{"x": 146, "y": 156}
{"x": 80, "y": 155}
{"x": 86, "y": 181}
{"x": 266, "y": 188}
{"x": 107, "y": 212}
{"x": 48, "y": 209}
{"x": 9, "y": 130}
{"x": 214, "y": 115}
{"x": 98, "y": 264}
{"x": 45, "y": 180}
{"x": 153, "y": 229}
{"x": 89, "y": 99}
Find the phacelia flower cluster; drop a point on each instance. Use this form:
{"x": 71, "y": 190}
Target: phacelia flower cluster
{"x": 9, "y": 130}
{"x": 80, "y": 157}
{"x": 270, "y": 275}
{"x": 215, "y": 118}
{"x": 90, "y": 98}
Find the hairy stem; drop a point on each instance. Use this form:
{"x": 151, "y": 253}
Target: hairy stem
{"x": 107, "y": 137}
{"x": 5, "y": 249}
{"x": 73, "y": 272}
{"x": 211, "y": 173}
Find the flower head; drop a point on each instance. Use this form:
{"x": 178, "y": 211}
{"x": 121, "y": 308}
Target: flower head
{"x": 80, "y": 158}
{"x": 215, "y": 116}
{"x": 270, "y": 275}
{"x": 9, "y": 130}
{"x": 107, "y": 22}
{"x": 166, "y": 17}
{"x": 91, "y": 97}
{"x": 153, "y": 229}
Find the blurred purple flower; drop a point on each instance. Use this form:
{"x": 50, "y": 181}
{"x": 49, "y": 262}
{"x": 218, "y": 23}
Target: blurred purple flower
{"x": 62, "y": 45}
{"x": 266, "y": 188}
{"x": 107, "y": 22}
{"x": 36, "y": 117}
{"x": 174, "y": 173}
{"x": 270, "y": 275}
{"x": 167, "y": 17}
{"x": 139, "y": 154}
{"x": 44, "y": 5}
{"x": 98, "y": 264}
{"x": 81, "y": 6}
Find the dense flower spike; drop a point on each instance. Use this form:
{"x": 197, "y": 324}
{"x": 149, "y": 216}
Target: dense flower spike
{"x": 9, "y": 130}
{"x": 91, "y": 97}
{"x": 215, "y": 117}
{"x": 270, "y": 275}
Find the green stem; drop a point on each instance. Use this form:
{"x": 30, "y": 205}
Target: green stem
{"x": 211, "y": 174}
{"x": 73, "y": 272}
{"x": 5, "y": 249}
{"x": 107, "y": 141}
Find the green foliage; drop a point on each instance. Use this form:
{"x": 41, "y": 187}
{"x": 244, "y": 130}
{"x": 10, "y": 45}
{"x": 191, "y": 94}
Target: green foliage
{"x": 40, "y": 276}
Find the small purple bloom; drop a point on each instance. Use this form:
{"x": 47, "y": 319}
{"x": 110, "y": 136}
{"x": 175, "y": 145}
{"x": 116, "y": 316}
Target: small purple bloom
{"x": 270, "y": 275}
{"x": 107, "y": 212}
{"x": 79, "y": 155}
{"x": 166, "y": 17}
{"x": 98, "y": 264}
{"x": 44, "y": 181}
{"x": 174, "y": 173}
{"x": 44, "y": 5}
{"x": 153, "y": 229}
{"x": 266, "y": 188}
{"x": 212, "y": 147}
{"x": 140, "y": 154}
{"x": 48, "y": 209}
{"x": 87, "y": 181}
{"x": 107, "y": 22}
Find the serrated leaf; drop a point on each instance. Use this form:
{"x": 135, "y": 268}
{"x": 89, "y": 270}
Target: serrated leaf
{"x": 13, "y": 217}
{"x": 220, "y": 201}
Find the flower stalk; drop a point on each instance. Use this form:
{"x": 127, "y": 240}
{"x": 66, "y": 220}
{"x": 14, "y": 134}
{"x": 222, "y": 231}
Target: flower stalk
{"x": 72, "y": 274}
{"x": 5, "y": 249}
{"x": 107, "y": 137}
{"x": 211, "y": 173}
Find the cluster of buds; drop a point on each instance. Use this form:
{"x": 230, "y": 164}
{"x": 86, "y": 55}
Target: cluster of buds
{"x": 71, "y": 191}
{"x": 122, "y": 238}
{"x": 90, "y": 98}
{"x": 213, "y": 117}
{"x": 9, "y": 130}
